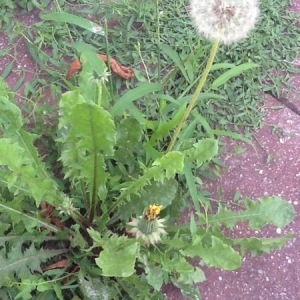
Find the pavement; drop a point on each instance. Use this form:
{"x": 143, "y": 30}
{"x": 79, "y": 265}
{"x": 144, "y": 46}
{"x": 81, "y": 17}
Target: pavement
{"x": 272, "y": 168}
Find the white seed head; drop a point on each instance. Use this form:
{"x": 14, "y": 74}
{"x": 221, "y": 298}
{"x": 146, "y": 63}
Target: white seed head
{"x": 225, "y": 20}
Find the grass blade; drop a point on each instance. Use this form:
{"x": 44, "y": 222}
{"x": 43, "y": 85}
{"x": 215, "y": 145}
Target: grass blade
{"x": 144, "y": 89}
{"x": 62, "y": 17}
{"x": 232, "y": 73}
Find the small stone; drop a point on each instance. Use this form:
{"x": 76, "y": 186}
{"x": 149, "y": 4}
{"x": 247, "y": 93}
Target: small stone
{"x": 220, "y": 278}
{"x": 295, "y": 202}
{"x": 261, "y": 171}
{"x": 278, "y": 230}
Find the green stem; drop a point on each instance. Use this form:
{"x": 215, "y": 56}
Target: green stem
{"x": 196, "y": 94}
{"x": 93, "y": 202}
{"x": 158, "y": 39}
{"x": 111, "y": 89}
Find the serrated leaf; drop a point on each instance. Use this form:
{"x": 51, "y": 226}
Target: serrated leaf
{"x": 188, "y": 290}
{"x": 162, "y": 193}
{"x": 97, "y": 289}
{"x": 25, "y": 168}
{"x": 163, "y": 168}
{"x": 88, "y": 135}
{"x": 155, "y": 277}
{"x": 195, "y": 276}
{"x": 171, "y": 162}
{"x": 129, "y": 134}
{"x": 204, "y": 150}
{"x": 118, "y": 257}
{"x": 23, "y": 172}
{"x": 28, "y": 220}
{"x": 23, "y": 264}
{"x": 94, "y": 128}
{"x": 165, "y": 127}
{"x": 269, "y": 210}
{"x": 219, "y": 254}
{"x": 266, "y": 210}
{"x": 261, "y": 245}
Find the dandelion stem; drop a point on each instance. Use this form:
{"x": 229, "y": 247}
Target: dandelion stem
{"x": 158, "y": 38}
{"x": 196, "y": 94}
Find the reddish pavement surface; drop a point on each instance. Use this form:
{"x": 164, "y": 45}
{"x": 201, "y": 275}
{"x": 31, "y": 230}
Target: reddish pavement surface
{"x": 267, "y": 277}
{"x": 275, "y": 275}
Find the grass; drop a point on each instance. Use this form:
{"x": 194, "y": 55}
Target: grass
{"x": 167, "y": 51}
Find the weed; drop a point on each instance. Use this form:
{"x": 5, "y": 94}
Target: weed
{"x": 90, "y": 203}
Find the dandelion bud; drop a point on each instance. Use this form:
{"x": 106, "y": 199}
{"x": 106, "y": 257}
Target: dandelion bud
{"x": 67, "y": 206}
{"x": 148, "y": 228}
{"x": 225, "y": 20}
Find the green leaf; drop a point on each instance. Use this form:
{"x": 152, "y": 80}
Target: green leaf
{"x": 23, "y": 172}
{"x": 129, "y": 136}
{"x": 261, "y": 245}
{"x": 188, "y": 291}
{"x": 23, "y": 166}
{"x": 193, "y": 226}
{"x": 264, "y": 211}
{"x": 23, "y": 264}
{"x": 171, "y": 162}
{"x": 118, "y": 257}
{"x": 62, "y": 17}
{"x": 162, "y": 193}
{"x": 26, "y": 218}
{"x": 164, "y": 128}
{"x": 163, "y": 168}
{"x": 233, "y": 135}
{"x": 233, "y": 72}
{"x": 88, "y": 135}
{"x": 195, "y": 276}
{"x": 142, "y": 90}
{"x": 192, "y": 186}
{"x": 167, "y": 50}
{"x": 222, "y": 66}
{"x": 219, "y": 254}
{"x": 7, "y": 70}
{"x": 93, "y": 127}
{"x": 204, "y": 150}
{"x": 97, "y": 288}
{"x": 154, "y": 275}
{"x": 269, "y": 210}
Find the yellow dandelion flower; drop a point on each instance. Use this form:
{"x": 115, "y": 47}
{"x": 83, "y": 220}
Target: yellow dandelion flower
{"x": 152, "y": 211}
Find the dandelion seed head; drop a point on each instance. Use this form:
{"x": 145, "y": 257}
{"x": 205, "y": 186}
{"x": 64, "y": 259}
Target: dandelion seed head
{"x": 226, "y": 20}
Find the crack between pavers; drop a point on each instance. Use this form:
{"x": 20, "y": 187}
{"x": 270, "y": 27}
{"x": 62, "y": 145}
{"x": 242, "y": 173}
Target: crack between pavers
{"x": 287, "y": 103}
